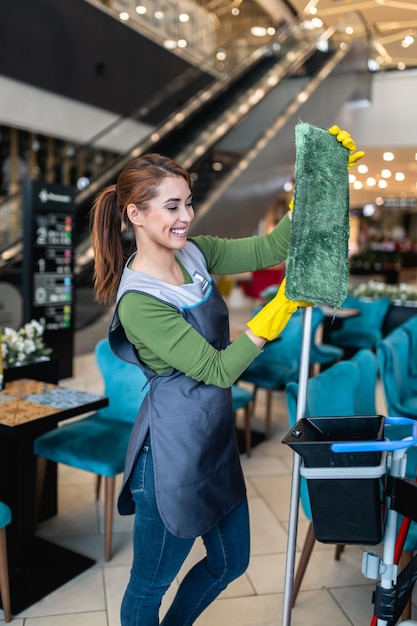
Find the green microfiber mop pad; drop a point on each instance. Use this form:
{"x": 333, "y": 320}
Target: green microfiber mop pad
{"x": 317, "y": 263}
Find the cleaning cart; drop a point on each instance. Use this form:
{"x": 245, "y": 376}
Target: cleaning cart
{"x": 357, "y": 488}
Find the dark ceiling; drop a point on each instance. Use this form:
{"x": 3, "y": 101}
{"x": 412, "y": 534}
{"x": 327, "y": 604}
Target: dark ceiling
{"x": 77, "y": 51}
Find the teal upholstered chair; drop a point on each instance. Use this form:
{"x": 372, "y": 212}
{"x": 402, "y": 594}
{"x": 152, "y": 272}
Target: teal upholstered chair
{"x": 365, "y": 398}
{"x": 330, "y": 393}
{"x": 278, "y": 364}
{"x": 365, "y": 329}
{"x": 98, "y": 443}
{"x": 5, "y": 519}
{"x": 410, "y": 326}
{"x": 242, "y": 399}
{"x": 394, "y": 355}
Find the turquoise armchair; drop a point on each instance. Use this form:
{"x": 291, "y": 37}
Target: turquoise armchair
{"x": 410, "y": 326}
{"x": 365, "y": 397}
{"x": 5, "y": 519}
{"x": 365, "y": 329}
{"x": 399, "y": 385}
{"x": 97, "y": 443}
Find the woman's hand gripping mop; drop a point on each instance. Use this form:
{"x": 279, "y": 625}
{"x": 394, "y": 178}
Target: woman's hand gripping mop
{"x": 317, "y": 263}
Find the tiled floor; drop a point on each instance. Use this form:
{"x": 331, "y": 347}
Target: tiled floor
{"x": 333, "y": 592}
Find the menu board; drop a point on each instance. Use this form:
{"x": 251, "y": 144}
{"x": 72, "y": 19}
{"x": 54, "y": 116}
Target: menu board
{"x": 49, "y": 261}
{"x": 53, "y": 268}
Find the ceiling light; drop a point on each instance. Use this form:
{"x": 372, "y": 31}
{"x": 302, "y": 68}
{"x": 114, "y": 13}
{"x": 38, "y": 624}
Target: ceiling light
{"x": 182, "y": 43}
{"x": 82, "y": 183}
{"x": 140, "y": 9}
{"x": 357, "y": 184}
{"x": 184, "y": 17}
{"x": 235, "y": 11}
{"x": 399, "y": 176}
{"x": 170, "y": 44}
{"x": 271, "y": 31}
{"x": 362, "y": 168}
{"x": 258, "y": 31}
{"x": 313, "y": 10}
{"x": 382, "y": 184}
{"x": 349, "y": 30}
{"x": 371, "y": 181}
{"x": 322, "y": 45}
{"x": 401, "y": 66}
{"x": 221, "y": 55}
{"x": 352, "y": 178}
{"x": 386, "y": 173}
{"x": 368, "y": 210}
{"x": 407, "y": 41}
{"x": 317, "y": 22}
{"x": 379, "y": 201}
{"x": 159, "y": 15}
{"x": 373, "y": 65}
{"x": 388, "y": 156}
{"x": 124, "y": 16}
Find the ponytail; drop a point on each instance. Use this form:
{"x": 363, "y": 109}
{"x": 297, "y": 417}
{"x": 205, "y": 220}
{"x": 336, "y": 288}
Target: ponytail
{"x": 106, "y": 234}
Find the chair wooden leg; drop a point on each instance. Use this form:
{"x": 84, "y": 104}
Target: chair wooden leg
{"x": 41, "y": 463}
{"x": 338, "y": 551}
{"x": 269, "y": 393}
{"x": 304, "y": 559}
{"x": 98, "y": 485}
{"x": 405, "y": 559}
{"x": 248, "y": 435}
{"x": 110, "y": 484}
{"x": 255, "y": 391}
{"x": 4, "y": 577}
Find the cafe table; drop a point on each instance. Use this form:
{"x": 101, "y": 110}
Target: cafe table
{"x": 29, "y": 408}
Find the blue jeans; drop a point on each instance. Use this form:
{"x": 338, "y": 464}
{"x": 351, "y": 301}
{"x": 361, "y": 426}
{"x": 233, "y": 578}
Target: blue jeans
{"x": 158, "y": 556}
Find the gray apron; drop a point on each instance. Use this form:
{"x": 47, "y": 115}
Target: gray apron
{"x": 198, "y": 477}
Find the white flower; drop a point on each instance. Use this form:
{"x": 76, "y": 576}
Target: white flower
{"x": 23, "y": 346}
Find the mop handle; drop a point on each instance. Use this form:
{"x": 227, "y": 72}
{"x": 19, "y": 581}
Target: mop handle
{"x": 296, "y": 477}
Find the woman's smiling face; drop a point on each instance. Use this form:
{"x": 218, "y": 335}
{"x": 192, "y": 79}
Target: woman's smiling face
{"x": 166, "y": 220}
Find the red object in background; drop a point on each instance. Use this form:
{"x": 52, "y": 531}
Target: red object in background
{"x": 261, "y": 279}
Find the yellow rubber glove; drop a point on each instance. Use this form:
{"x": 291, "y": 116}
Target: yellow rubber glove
{"x": 346, "y": 140}
{"x": 274, "y": 316}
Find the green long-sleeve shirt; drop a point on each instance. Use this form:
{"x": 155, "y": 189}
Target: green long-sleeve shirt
{"x": 164, "y": 339}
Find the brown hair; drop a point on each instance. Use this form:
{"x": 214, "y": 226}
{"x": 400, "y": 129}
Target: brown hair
{"x": 137, "y": 184}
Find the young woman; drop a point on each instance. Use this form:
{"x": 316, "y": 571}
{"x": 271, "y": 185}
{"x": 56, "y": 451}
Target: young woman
{"x": 183, "y": 477}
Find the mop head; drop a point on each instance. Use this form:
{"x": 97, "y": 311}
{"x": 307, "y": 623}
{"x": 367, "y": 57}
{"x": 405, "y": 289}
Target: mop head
{"x": 317, "y": 263}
